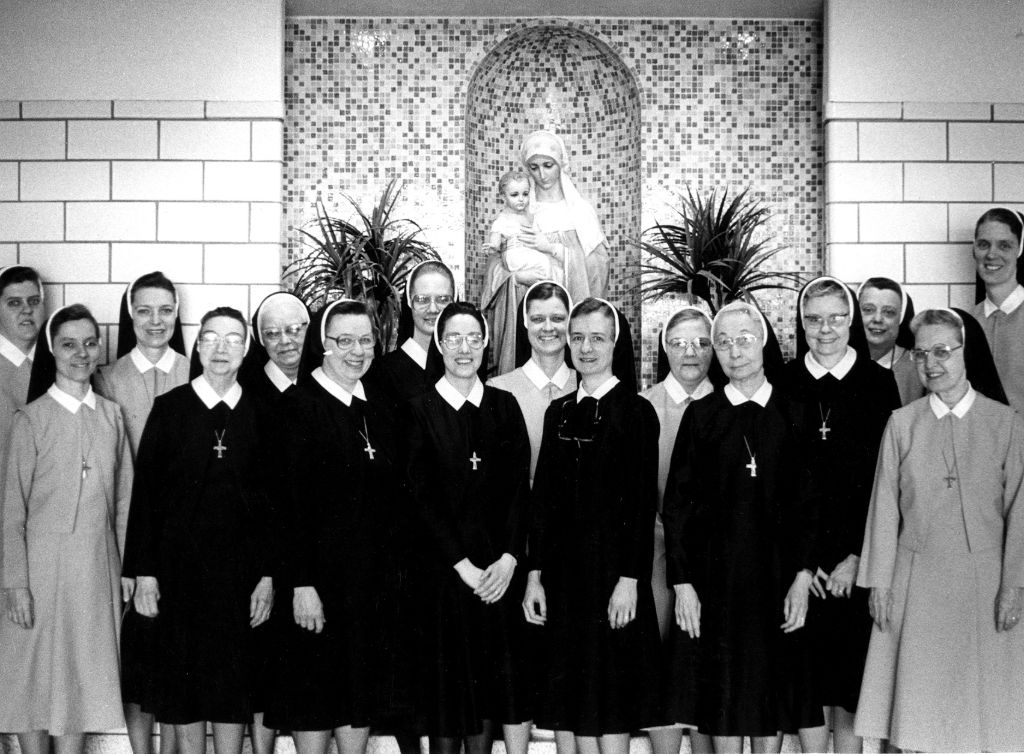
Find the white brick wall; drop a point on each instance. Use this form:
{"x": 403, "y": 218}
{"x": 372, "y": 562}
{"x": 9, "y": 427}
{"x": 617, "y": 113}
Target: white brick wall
{"x": 906, "y": 183}
{"x": 95, "y": 193}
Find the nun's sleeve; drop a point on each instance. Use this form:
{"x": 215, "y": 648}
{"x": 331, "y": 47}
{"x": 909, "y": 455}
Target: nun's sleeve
{"x": 22, "y": 455}
{"x": 878, "y": 553}
{"x": 142, "y": 541}
{"x": 1013, "y": 507}
{"x": 518, "y": 463}
{"x": 543, "y": 496}
{"x": 679, "y": 509}
{"x": 122, "y": 479}
{"x": 640, "y": 459}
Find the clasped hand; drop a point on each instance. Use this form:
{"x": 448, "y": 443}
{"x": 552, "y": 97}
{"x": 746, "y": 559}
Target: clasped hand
{"x": 491, "y": 584}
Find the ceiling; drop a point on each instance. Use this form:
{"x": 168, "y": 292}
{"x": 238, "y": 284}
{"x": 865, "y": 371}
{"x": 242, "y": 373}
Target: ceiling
{"x": 560, "y": 8}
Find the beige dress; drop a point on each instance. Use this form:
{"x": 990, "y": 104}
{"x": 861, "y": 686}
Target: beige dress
{"x": 64, "y": 514}
{"x": 945, "y": 529}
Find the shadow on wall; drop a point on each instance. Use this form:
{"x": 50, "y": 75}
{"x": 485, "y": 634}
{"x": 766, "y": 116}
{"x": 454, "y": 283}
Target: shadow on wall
{"x": 564, "y": 80}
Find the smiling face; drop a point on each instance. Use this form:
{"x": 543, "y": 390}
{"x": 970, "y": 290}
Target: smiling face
{"x": 547, "y": 326}
{"x": 463, "y": 361}
{"x": 880, "y": 311}
{"x": 689, "y": 365}
{"x": 348, "y": 365}
{"x": 545, "y": 171}
{"x": 516, "y": 195}
{"x": 431, "y": 284}
{"x": 222, "y": 358}
{"x": 949, "y": 376}
{"x": 153, "y": 312}
{"x": 21, "y": 313}
{"x": 995, "y": 253}
{"x": 592, "y": 344}
{"x": 825, "y": 339}
{"x": 76, "y": 350}
{"x": 739, "y": 362}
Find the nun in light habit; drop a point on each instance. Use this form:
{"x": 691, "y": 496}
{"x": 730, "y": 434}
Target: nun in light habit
{"x": 150, "y": 362}
{"x": 886, "y": 311}
{"x": 64, "y": 512}
{"x": 849, "y": 398}
{"x": 943, "y": 557}
{"x": 740, "y": 515}
{"x": 686, "y": 344}
{"x": 998, "y": 243}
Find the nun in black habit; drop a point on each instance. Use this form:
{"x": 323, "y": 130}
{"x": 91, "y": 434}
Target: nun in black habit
{"x": 850, "y": 398}
{"x": 594, "y": 499}
{"x": 468, "y": 456}
{"x": 740, "y": 514}
{"x": 339, "y": 447}
{"x": 198, "y": 543}
{"x": 276, "y": 360}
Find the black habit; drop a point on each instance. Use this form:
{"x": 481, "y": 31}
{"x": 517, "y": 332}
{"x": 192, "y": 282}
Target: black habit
{"x": 595, "y": 495}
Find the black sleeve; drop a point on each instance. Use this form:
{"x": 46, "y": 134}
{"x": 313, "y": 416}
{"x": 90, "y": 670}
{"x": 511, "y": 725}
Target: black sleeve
{"x": 680, "y": 509}
{"x": 145, "y": 514}
{"x": 801, "y": 514}
{"x": 640, "y": 460}
{"x": 543, "y": 496}
{"x": 519, "y": 467}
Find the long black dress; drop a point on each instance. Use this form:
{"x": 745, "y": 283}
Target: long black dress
{"x": 593, "y": 522}
{"x": 740, "y": 540}
{"x": 471, "y": 663}
{"x": 853, "y": 411}
{"x": 342, "y": 495}
{"x": 199, "y": 524}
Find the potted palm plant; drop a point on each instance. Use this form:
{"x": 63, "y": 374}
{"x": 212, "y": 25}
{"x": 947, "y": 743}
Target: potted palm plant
{"x": 367, "y": 258}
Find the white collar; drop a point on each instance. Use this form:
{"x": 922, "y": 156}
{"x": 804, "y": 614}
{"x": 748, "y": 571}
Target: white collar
{"x": 70, "y": 402}
{"x": 454, "y": 398}
{"x": 1009, "y": 305}
{"x": 940, "y": 409}
{"x": 760, "y": 396}
{"x": 337, "y": 390}
{"x": 415, "y": 352}
{"x": 678, "y": 393}
{"x": 839, "y": 371}
{"x": 165, "y": 363}
{"x": 14, "y": 354}
{"x": 603, "y": 389}
{"x": 209, "y": 396}
{"x": 536, "y": 375}
{"x": 277, "y": 377}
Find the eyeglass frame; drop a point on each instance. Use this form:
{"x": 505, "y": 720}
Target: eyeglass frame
{"x": 361, "y": 340}
{"x": 274, "y": 335}
{"x": 421, "y": 301}
{"x": 682, "y": 344}
{"x": 816, "y": 322}
{"x": 211, "y": 339}
{"x": 454, "y": 341}
{"x": 920, "y": 355}
{"x": 726, "y": 343}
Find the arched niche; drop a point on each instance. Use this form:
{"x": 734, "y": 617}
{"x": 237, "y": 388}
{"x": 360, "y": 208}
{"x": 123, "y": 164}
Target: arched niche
{"x": 565, "y": 80}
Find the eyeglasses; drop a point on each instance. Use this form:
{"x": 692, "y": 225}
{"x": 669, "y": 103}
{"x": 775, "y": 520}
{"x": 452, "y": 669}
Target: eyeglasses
{"x": 292, "y": 331}
{"x": 698, "y": 345}
{"x": 815, "y": 322}
{"x": 347, "y": 342}
{"x": 422, "y": 302}
{"x": 743, "y": 342}
{"x": 454, "y": 342}
{"x": 232, "y": 341}
{"x": 939, "y": 353}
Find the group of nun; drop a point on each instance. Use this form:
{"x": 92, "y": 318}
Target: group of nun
{"x": 292, "y": 531}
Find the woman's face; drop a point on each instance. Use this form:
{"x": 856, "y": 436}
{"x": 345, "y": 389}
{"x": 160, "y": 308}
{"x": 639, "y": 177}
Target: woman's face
{"x": 689, "y": 364}
{"x": 940, "y": 376}
{"x": 827, "y": 325}
{"x": 221, "y": 346}
{"x": 545, "y": 171}
{"x": 350, "y": 343}
{"x": 283, "y": 332}
{"x": 547, "y": 326}
{"x": 153, "y": 313}
{"x": 76, "y": 349}
{"x": 995, "y": 253}
{"x": 21, "y": 313}
{"x": 463, "y": 360}
{"x": 739, "y": 362}
{"x": 592, "y": 343}
{"x": 429, "y": 286}
{"x": 880, "y": 311}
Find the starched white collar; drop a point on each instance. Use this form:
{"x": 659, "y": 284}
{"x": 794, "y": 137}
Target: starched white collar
{"x": 337, "y": 390}
{"x": 70, "y": 402}
{"x": 1009, "y": 305}
{"x": 415, "y": 352}
{"x": 165, "y": 363}
{"x": 454, "y": 398}
{"x": 209, "y": 396}
{"x": 540, "y": 380}
{"x": 277, "y": 377}
{"x": 678, "y": 393}
{"x": 603, "y": 389}
{"x": 962, "y": 406}
{"x": 839, "y": 371}
{"x": 14, "y": 354}
{"x": 760, "y": 396}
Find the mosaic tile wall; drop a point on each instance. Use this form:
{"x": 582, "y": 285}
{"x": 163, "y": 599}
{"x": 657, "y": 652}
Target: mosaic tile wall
{"x": 723, "y": 102}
